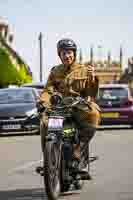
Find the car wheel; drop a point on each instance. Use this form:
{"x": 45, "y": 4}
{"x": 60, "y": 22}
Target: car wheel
{"x": 131, "y": 126}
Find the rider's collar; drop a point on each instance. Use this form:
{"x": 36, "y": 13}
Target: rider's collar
{"x": 71, "y": 67}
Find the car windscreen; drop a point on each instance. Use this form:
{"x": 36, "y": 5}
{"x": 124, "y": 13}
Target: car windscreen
{"x": 112, "y": 93}
{"x": 16, "y": 96}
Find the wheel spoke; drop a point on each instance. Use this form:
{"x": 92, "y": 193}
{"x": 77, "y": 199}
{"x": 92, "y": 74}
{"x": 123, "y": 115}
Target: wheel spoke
{"x": 54, "y": 167}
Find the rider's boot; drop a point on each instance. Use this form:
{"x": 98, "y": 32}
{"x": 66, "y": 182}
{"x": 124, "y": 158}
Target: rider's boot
{"x": 82, "y": 161}
{"x": 81, "y": 151}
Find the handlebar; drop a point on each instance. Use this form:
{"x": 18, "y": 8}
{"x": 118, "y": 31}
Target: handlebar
{"x": 74, "y": 102}
{"x": 41, "y": 108}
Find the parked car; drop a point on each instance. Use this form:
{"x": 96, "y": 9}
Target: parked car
{"x": 15, "y": 105}
{"x": 38, "y": 85}
{"x": 116, "y": 103}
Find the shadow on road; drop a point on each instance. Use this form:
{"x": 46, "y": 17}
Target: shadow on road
{"x": 30, "y": 194}
{"x": 23, "y": 194}
{"x": 18, "y": 135}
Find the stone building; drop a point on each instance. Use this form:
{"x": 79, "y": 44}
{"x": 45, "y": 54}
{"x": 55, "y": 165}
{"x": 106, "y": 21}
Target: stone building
{"x": 108, "y": 70}
{"x": 127, "y": 75}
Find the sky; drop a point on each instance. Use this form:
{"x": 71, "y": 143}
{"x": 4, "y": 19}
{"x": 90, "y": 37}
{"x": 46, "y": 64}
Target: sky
{"x": 102, "y": 23}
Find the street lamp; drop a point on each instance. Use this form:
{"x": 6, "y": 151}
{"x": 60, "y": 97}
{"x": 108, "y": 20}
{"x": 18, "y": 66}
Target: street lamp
{"x": 99, "y": 52}
{"x": 41, "y": 57}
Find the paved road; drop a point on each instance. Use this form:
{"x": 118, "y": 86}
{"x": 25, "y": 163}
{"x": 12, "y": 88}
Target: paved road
{"x": 112, "y": 173}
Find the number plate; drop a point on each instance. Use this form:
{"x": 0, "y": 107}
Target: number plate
{"x": 110, "y": 115}
{"x": 11, "y": 126}
{"x": 55, "y": 123}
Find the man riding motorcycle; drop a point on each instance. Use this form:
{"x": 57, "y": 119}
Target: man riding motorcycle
{"x": 73, "y": 79}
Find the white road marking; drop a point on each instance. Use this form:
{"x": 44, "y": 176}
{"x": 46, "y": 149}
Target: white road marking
{"x": 25, "y": 166}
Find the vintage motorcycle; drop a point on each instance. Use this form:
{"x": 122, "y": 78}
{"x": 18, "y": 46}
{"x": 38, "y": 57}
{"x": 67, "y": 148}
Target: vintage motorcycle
{"x": 60, "y": 170}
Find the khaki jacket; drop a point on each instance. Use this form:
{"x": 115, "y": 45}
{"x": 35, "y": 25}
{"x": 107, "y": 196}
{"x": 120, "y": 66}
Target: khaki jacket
{"x": 65, "y": 81}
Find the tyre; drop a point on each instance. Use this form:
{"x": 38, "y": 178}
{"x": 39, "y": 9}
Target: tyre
{"x": 52, "y": 170}
{"x": 131, "y": 126}
{"x": 43, "y": 135}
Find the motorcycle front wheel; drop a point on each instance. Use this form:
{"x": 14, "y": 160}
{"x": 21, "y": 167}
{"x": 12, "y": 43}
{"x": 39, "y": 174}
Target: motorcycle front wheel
{"x": 52, "y": 170}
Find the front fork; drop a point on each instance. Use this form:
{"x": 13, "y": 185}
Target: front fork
{"x": 67, "y": 151}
